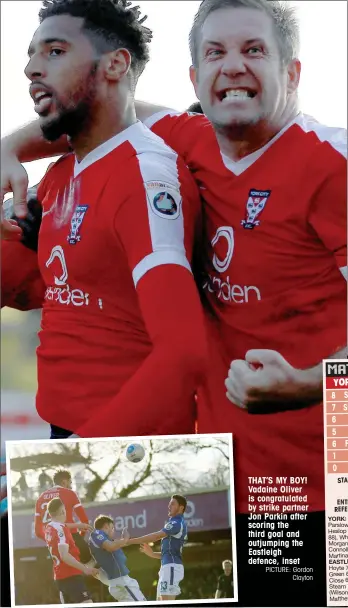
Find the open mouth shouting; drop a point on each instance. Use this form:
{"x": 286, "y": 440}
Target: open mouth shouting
{"x": 42, "y": 99}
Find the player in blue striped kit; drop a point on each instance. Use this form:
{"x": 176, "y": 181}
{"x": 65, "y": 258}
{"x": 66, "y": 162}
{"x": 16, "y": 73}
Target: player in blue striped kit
{"x": 112, "y": 561}
{"x": 173, "y": 537}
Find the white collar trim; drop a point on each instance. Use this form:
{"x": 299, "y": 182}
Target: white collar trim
{"x": 239, "y": 166}
{"x": 107, "y": 146}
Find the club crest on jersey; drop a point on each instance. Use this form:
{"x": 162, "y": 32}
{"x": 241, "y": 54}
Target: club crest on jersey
{"x": 255, "y": 205}
{"x": 75, "y": 224}
{"x": 164, "y": 199}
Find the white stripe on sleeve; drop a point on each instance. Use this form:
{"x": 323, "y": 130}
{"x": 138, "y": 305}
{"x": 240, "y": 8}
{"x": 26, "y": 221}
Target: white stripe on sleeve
{"x": 158, "y": 165}
{"x": 157, "y": 258}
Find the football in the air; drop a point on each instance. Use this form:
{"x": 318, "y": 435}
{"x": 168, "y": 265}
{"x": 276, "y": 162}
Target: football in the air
{"x": 135, "y": 452}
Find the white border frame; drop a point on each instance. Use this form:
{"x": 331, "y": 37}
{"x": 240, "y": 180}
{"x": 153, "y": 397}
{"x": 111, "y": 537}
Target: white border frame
{"x": 210, "y": 601}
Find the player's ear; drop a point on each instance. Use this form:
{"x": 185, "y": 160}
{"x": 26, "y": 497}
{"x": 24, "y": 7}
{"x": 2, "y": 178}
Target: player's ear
{"x": 194, "y": 77}
{"x": 117, "y": 64}
{"x": 294, "y": 73}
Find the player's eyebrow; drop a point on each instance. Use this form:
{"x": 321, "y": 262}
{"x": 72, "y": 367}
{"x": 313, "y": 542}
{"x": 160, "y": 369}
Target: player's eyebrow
{"x": 212, "y": 43}
{"x": 255, "y": 41}
{"x": 46, "y": 41}
{"x": 250, "y": 41}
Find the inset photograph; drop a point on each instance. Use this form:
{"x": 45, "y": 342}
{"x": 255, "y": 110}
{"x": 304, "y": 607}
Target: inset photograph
{"x": 123, "y": 520}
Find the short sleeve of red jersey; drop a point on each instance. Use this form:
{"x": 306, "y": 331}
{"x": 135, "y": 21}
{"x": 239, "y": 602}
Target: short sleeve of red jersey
{"x": 156, "y": 223}
{"x": 328, "y": 212}
{"x": 180, "y": 131}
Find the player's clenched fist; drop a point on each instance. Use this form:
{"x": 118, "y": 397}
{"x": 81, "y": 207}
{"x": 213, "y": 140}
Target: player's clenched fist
{"x": 265, "y": 382}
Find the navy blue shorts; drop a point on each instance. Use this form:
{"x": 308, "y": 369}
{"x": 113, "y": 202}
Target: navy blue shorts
{"x": 73, "y": 590}
{"x": 58, "y": 433}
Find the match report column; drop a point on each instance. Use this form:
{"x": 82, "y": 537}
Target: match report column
{"x": 336, "y": 479}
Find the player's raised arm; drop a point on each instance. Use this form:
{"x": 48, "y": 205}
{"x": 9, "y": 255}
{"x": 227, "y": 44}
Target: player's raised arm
{"x": 24, "y": 145}
{"x": 148, "y": 538}
{"x": 145, "y": 110}
{"x": 79, "y": 510}
{"x": 170, "y": 529}
{"x": 38, "y": 525}
{"x": 27, "y": 144}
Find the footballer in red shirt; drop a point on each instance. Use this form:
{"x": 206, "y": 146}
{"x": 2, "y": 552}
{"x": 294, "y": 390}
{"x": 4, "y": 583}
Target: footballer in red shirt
{"x": 118, "y": 222}
{"x": 67, "y": 568}
{"x": 275, "y": 252}
{"x": 274, "y": 188}
{"x": 274, "y": 282}
{"x": 62, "y": 489}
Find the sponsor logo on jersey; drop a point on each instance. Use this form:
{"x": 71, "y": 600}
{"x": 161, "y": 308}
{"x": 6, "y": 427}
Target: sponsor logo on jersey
{"x": 227, "y": 292}
{"x": 223, "y": 241}
{"x": 255, "y": 205}
{"x": 76, "y": 223}
{"x": 225, "y": 233}
{"x": 61, "y": 292}
{"x": 164, "y": 203}
{"x": 164, "y": 200}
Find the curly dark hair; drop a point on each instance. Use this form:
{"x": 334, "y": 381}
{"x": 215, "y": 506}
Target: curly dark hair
{"x": 61, "y": 475}
{"x": 110, "y": 24}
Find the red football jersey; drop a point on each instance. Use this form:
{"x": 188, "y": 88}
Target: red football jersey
{"x": 130, "y": 207}
{"x": 276, "y": 237}
{"x": 68, "y": 497}
{"x": 56, "y": 535}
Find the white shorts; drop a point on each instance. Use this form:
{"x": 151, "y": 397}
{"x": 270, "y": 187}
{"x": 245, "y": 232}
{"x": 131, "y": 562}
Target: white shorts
{"x": 125, "y": 589}
{"x": 170, "y": 575}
